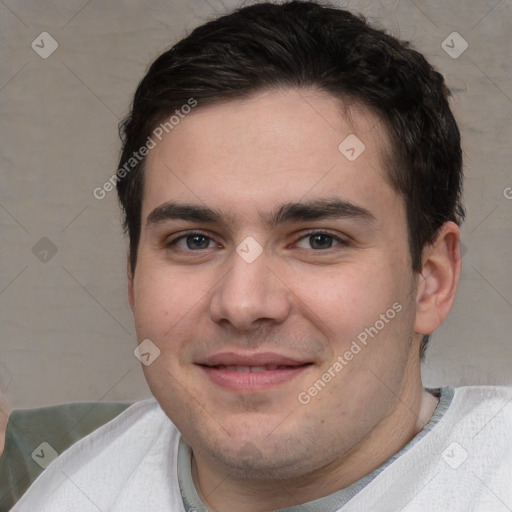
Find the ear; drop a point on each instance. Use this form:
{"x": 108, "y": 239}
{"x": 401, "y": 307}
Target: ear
{"x": 130, "y": 283}
{"x": 438, "y": 280}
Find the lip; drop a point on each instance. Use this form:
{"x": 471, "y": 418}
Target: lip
{"x": 219, "y": 369}
{"x": 256, "y": 359}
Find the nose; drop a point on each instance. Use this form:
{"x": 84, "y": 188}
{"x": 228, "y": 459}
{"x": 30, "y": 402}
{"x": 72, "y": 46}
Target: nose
{"x": 250, "y": 294}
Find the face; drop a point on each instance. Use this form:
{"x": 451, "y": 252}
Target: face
{"x": 274, "y": 276}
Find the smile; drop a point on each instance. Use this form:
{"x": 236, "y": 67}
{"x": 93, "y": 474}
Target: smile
{"x": 252, "y": 377}
{"x": 254, "y": 369}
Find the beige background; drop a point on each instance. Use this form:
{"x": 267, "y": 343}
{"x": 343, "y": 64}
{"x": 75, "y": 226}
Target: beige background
{"x": 66, "y": 329}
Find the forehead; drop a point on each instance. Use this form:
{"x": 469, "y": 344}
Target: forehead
{"x": 270, "y": 148}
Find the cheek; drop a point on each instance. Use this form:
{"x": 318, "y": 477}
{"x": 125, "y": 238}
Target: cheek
{"x": 163, "y": 298}
{"x": 348, "y": 298}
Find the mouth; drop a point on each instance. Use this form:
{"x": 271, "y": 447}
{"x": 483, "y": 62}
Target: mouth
{"x": 257, "y": 372}
{"x": 254, "y": 369}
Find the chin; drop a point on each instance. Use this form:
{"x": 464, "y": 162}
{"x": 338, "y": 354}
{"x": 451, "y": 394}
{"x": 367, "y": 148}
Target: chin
{"x": 260, "y": 457}
{"x": 249, "y": 463}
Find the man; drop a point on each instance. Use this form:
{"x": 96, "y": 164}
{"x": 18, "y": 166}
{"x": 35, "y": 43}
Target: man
{"x": 291, "y": 183}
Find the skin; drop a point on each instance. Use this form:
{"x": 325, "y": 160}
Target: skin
{"x": 262, "y": 450}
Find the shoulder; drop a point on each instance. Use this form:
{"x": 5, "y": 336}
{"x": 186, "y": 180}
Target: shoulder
{"x": 474, "y": 410}
{"x": 484, "y": 401}
{"x": 485, "y": 392}
{"x": 136, "y": 442}
{"x": 140, "y": 420}
{"x": 75, "y": 435}
{"x": 456, "y": 464}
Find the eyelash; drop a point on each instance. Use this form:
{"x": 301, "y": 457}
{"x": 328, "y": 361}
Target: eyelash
{"x": 340, "y": 241}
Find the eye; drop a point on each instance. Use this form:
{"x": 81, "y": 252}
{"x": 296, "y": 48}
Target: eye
{"x": 319, "y": 240}
{"x": 192, "y": 242}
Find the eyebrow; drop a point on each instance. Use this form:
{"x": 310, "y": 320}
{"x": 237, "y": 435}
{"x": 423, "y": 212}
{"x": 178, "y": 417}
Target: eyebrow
{"x": 317, "y": 209}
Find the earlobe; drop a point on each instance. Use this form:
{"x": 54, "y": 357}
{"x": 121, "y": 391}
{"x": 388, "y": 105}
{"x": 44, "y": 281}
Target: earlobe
{"x": 439, "y": 279}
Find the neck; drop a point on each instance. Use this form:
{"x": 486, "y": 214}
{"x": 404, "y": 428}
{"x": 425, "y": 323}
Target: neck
{"x": 221, "y": 492}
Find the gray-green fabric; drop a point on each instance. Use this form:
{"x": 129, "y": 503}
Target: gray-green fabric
{"x": 330, "y": 503}
{"x": 60, "y": 426}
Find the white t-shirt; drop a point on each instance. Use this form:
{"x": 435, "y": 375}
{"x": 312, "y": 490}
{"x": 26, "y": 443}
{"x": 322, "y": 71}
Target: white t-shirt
{"x": 460, "y": 462}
